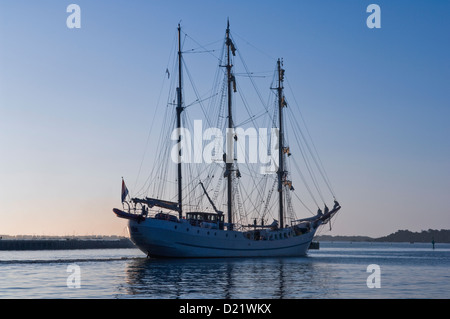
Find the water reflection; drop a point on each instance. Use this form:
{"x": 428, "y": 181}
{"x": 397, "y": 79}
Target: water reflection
{"x": 280, "y": 278}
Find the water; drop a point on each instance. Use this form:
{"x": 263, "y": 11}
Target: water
{"x": 337, "y": 270}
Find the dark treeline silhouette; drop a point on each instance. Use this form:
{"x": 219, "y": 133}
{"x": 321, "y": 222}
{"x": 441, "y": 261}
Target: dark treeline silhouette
{"x": 425, "y": 236}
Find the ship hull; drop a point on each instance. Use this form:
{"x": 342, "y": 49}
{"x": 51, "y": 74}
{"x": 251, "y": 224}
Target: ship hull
{"x": 162, "y": 238}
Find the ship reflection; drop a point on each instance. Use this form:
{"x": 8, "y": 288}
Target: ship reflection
{"x": 271, "y": 278}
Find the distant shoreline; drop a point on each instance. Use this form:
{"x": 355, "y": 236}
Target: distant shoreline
{"x": 401, "y": 236}
{"x": 114, "y": 242}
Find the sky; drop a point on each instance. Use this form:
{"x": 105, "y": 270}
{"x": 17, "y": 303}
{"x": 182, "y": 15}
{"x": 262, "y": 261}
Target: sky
{"x": 76, "y": 104}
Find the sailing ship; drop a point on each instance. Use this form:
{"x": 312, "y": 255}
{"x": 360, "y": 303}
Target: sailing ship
{"x": 189, "y": 223}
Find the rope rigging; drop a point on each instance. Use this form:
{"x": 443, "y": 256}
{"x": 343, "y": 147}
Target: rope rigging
{"x": 253, "y": 190}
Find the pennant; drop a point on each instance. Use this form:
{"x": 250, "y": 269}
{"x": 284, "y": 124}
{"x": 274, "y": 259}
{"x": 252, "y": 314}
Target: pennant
{"x": 124, "y": 191}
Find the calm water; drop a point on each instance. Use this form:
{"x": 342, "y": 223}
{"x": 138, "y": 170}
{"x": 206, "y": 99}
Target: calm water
{"x": 337, "y": 270}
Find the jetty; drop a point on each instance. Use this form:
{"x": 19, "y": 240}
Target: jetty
{"x": 64, "y": 244}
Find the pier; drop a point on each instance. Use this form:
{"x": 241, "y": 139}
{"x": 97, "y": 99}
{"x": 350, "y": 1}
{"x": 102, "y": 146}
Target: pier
{"x": 64, "y": 244}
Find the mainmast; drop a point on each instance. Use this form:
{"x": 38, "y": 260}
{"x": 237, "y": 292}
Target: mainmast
{"x": 281, "y": 173}
{"x": 179, "y": 110}
{"x": 230, "y": 141}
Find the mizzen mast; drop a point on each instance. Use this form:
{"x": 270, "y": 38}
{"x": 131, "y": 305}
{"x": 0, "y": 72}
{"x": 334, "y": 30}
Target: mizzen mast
{"x": 229, "y": 157}
{"x": 281, "y": 173}
{"x": 179, "y": 109}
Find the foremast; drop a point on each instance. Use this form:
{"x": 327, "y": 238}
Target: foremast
{"x": 152, "y": 202}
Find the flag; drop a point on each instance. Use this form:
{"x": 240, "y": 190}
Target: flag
{"x": 124, "y": 191}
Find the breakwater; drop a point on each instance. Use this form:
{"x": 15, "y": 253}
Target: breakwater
{"x": 59, "y": 244}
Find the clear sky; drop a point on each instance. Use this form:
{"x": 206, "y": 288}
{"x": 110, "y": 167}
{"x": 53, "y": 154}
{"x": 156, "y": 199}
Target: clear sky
{"x": 76, "y": 104}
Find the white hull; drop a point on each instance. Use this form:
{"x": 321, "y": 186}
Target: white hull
{"x": 162, "y": 238}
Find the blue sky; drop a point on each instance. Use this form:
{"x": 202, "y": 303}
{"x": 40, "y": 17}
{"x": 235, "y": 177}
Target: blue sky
{"x": 76, "y": 104}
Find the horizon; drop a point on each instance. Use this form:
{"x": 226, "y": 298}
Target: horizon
{"x": 76, "y": 104}
{"x": 121, "y": 236}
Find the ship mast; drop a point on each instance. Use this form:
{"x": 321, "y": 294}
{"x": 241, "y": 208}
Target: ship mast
{"x": 281, "y": 172}
{"x": 230, "y": 144}
{"x": 179, "y": 109}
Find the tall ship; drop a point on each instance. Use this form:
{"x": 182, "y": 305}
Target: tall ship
{"x": 228, "y": 190}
